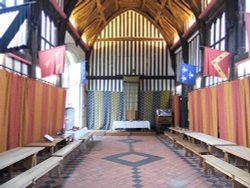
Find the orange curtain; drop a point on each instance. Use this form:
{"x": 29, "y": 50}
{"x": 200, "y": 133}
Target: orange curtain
{"x": 28, "y": 110}
{"x": 27, "y": 130}
{"x": 61, "y": 96}
{"x": 209, "y": 123}
{"x": 245, "y": 102}
{"x": 227, "y": 108}
{"x": 233, "y": 105}
{"x": 44, "y": 111}
{"x": 16, "y": 109}
{"x": 222, "y": 110}
{"x": 4, "y": 109}
{"x": 56, "y": 109}
{"x": 194, "y": 109}
{"x": 176, "y": 110}
{"x": 202, "y": 108}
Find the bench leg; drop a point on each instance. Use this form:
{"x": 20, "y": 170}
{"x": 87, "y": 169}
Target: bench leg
{"x": 85, "y": 146}
{"x": 60, "y": 169}
{"x": 209, "y": 168}
{"x": 201, "y": 161}
{"x": 236, "y": 184}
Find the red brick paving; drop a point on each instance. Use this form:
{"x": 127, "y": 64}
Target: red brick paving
{"x": 173, "y": 170}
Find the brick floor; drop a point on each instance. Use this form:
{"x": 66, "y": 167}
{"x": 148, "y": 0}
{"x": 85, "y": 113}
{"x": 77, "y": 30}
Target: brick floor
{"x": 136, "y": 162}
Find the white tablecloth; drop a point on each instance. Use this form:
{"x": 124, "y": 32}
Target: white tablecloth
{"x": 131, "y": 124}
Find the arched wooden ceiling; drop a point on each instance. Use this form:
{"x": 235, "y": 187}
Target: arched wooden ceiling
{"x": 90, "y": 16}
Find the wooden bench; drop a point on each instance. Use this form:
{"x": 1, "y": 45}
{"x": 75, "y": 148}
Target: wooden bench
{"x": 30, "y": 176}
{"x": 66, "y": 150}
{"x": 172, "y": 137}
{"x": 87, "y": 137}
{"x": 192, "y": 148}
{"x": 238, "y": 176}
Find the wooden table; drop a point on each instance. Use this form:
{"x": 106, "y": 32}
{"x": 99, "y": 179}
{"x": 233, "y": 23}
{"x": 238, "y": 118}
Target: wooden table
{"x": 211, "y": 141}
{"x": 238, "y": 151}
{"x": 10, "y": 157}
{"x": 45, "y": 143}
{"x": 131, "y": 125}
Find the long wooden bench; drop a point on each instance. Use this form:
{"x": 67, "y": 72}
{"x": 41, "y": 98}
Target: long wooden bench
{"x": 66, "y": 150}
{"x": 87, "y": 137}
{"x": 172, "y": 137}
{"x": 239, "y": 177}
{"x": 192, "y": 148}
{"x": 30, "y": 176}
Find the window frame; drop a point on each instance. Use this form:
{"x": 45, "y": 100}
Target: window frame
{"x": 216, "y": 40}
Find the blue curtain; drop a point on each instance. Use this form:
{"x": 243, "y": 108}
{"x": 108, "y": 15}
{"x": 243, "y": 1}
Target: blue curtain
{"x": 105, "y": 107}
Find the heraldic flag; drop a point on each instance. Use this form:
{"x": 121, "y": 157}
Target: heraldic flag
{"x": 52, "y": 61}
{"x": 216, "y": 63}
{"x": 187, "y": 74}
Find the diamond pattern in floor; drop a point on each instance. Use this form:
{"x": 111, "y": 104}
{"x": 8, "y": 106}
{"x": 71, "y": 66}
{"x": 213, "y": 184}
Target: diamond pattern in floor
{"x": 148, "y": 162}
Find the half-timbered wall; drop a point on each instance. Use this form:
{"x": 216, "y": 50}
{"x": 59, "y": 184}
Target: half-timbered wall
{"x": 130, "y": 45}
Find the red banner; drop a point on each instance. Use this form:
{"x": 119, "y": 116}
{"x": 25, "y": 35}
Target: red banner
{"x": 52, "y": 61}
{"x": 216, "y": 63}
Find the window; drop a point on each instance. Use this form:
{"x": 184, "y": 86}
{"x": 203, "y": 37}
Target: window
{"x": 10, "y": 3}
{"x": 243, "y": 68}
{"x": 60, "y": 3}
{"x": 48, "y": 40}
{"x": 217, "y": 40}
{"x": 204, "y": 4}
{"x": 13, "y": 64}
{"x": 178, "y": 60}
{"x": 194, "y": 55}
{"x": 11, "y": 61}
{"x": 48, "y": 32}
{"x": 247, "y": 9}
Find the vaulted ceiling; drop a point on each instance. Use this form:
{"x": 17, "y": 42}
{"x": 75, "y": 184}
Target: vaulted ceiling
{"x": 90, "y": 16}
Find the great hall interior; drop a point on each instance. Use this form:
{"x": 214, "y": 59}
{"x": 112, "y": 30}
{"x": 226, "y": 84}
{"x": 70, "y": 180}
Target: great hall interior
{"x": 124, "y": 93}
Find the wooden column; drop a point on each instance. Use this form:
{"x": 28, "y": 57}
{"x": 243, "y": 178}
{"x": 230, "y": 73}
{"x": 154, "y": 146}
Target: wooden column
{"x": 232, "y": 35}
{"x": 203, "y": 39}
{"x": 185, "y": 88}
{"x": 35, "y": 36}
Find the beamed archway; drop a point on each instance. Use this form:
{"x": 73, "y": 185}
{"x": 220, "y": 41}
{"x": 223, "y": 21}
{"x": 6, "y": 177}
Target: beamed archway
{"x": 129, "y": 45}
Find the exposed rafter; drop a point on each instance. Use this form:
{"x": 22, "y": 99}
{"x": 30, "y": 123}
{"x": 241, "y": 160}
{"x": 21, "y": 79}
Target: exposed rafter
{"x": 99, "y": 6}
{"x": 169, "y": 16}
{"x": 117, "y": 4}
{"x": 163, "y": 3}
{"x": 143, "y": 4}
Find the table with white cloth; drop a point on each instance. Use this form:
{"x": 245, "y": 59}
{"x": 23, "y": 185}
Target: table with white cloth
{"x": 131, "y": 125}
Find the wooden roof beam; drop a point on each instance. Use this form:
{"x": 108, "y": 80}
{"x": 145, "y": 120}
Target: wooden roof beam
{"x": 143, "y": 4}
{"x": 163, "y": 3}
{"x": 117, "y": 6}
{"x": 100, "y": 9}
{"x": 193, "y": 8}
